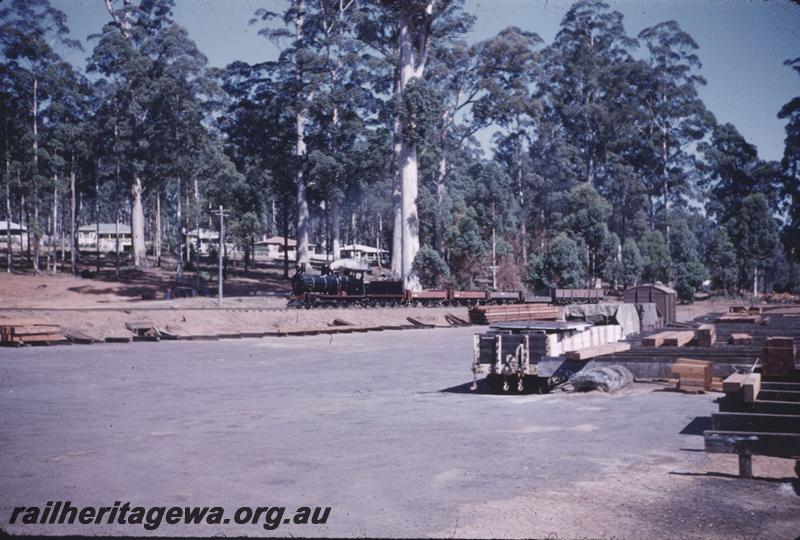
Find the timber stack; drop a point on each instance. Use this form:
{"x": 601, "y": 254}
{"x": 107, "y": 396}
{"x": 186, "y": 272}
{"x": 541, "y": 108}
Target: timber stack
{"x": 740, "y": 339}
{"x": 741, "y": 314}
{"x": 693, "y": 375}
{"x": 778, "y": 356}
{"x": 18, "y": 332}
{"x": 512, "y": 312}
{"x": 705, "y": 335}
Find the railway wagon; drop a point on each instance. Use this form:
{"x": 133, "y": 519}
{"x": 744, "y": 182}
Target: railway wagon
{"x": 577, "y": 296}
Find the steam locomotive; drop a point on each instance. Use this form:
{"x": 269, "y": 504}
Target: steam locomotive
{"x": 345, "y": 286}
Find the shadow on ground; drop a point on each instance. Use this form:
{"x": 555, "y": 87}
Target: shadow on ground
{"x": 795, "y": 483}
{"x": 697, "y": 426}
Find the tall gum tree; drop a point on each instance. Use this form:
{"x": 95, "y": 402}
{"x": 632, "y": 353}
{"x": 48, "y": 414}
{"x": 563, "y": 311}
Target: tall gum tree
{"x": 413, "y": 27}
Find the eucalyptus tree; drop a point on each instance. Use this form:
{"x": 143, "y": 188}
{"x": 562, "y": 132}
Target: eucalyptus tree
{"x": 15, "y": 139}
{"x": 508, "y": 75}
{"x": 732, "y": 170}
{"x": 68, "y": 140}
{"x": 403, "y": 35}
{"x": 159, "y": 85}
{"x": 118, "y": 56}
{"x": 259, "y": 126}
{"x": 298, "y": 69}
{"x": 754, "y": 232}
{"x": 28, "y": 31}
{"x": 678, "y": 119}
{"x": 790, "y": 163}
{"x": 583, "y": 82}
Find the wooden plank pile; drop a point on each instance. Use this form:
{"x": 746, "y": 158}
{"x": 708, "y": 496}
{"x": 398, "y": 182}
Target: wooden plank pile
{"x": 669, "y": 339}
{"x": 705, "y": 335}
{"x": 693, "y": 375}
{"x": 598, "y": 350}
{"x": 512, "y": 312}
{"x": 756, "y": 418}
{"x": 778, "y": 356}
{"x": 678, "y": 339}
{"x": 741, "y": 314}
{"x": 656, "y": 340}
{"x": 17, "y": 332}
{"x": 740, "y": 339}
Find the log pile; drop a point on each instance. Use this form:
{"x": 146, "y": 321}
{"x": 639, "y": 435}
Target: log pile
{"x": 778, "y": 356}
{"x": 693, "y": 375}
{"x": 705, "y": 335}
{"x": 29, "y": 332}
{"x": 513, "y": 312}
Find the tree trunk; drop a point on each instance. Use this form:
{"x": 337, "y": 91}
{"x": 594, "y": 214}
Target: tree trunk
{"x": 285, "y": 237}
{"x": 179, "y": 235}
{"x": 52, "y": 247}
{"x": 9, "y": 256}
{"x": 137, "y": 224}
{"x": 409, "y": 69}
{"x": 494, "y": 254}
{"x": 157, "y": 240}
{"x": 523, "y": 215}
{"x": 300, "y": 150}
{"x": 37, "y": 235}
{"x": 197, "y": 243}
{"x": 97, "y": 221}
{"x": 73, "y": 249}
{"x": 666, "y": 184}
{"x": 116, "y": 245}
{"x": 336, "y": 225}
{"x": 438, "y": 226}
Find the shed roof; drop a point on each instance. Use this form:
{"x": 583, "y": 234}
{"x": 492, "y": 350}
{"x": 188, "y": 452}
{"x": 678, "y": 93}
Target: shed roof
{"x": 659, "y": 286}
{"x": 362, "y": 248}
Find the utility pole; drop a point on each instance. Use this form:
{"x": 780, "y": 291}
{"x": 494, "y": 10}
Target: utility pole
{"x": 221, "y": 213}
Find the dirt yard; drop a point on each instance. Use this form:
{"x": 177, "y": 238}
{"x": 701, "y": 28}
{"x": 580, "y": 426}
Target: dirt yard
{"x": 255, "y": 301}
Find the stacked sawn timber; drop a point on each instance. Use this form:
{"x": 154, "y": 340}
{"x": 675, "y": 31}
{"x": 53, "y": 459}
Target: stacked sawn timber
{"x": 740, "y": 339}
{"x": 693, "y": 375}
{"x": 740, "y": 314}
{"x": 778, "y": 356}
{"x": 705, "y": 335}
{"x": 27, "y": 332}
{"x": 669, "y": 339}
{"x": 512, "y": 312}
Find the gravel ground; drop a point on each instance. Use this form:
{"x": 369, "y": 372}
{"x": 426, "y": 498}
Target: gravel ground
{"x": 381, "y": 428}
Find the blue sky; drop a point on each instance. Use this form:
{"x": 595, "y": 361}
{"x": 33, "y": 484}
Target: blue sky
{"x": 743, "y": 44}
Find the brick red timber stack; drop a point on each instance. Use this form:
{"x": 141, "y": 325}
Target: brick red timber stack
{"x": 778, "y": 356}
{"x": 512, "y": 312}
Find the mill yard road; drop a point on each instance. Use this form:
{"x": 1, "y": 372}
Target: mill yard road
{"x": 380, "y": 427}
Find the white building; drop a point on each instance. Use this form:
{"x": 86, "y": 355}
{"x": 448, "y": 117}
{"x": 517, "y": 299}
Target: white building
{"x": 361, "y": 252}
{"x": 88, "y": 237}
{"x": 208, "y": 240}
{"x": 19, "y": 235}
{"x": 273, "y": 248}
